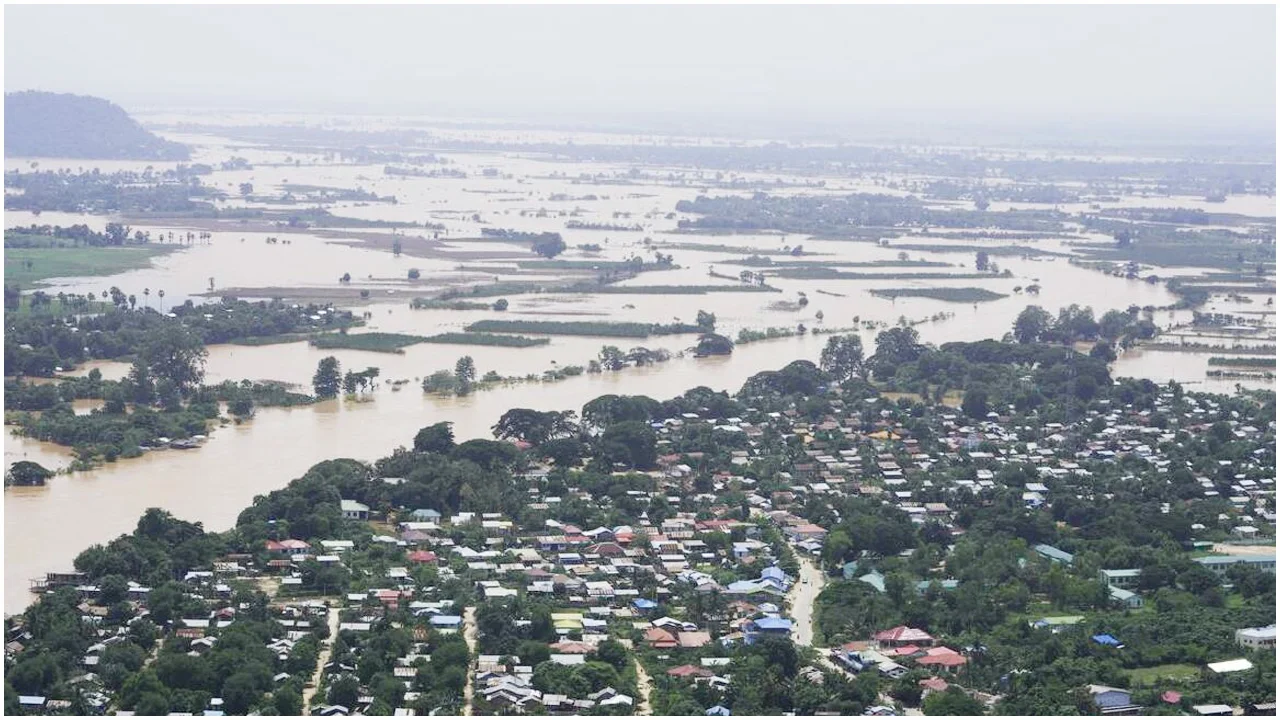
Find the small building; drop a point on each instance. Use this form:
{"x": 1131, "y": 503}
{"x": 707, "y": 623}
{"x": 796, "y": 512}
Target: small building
{"x": 1257, "y": 638}
{"x": 1054, "y": 554}
{"x": 353, "y": 510}
{"x": 1125, "y": 598}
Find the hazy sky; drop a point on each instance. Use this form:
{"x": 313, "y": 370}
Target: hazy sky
{"x": 1199, "y": 65}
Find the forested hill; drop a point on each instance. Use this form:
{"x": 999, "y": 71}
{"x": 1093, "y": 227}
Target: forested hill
{"x": 41, "y": 124}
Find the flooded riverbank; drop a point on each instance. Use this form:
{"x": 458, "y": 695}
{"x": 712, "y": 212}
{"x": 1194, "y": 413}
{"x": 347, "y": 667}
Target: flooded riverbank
{"x": 46, "y": 527}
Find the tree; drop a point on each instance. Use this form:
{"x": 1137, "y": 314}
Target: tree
{"x": 396, "y": 247}
{"x": 328, "y": 378}
{"x": 414, "y": 273}
{"x": 983, "y": 262}
{"x": 535, "y": 427}
{"x": 975, "y": 403}
{"x": 842, "y": 357}
{"x": 549, "y": 245}
{"x": 465, "y": 371}
{"x": 713, "y": 344}
{"x": 1103, "y": 350}
{"x": 176, "y": 354}
{"x": 895, "y": 347}
{"x": 1031, "y": 324}
{"x": 706, "y": 321}
{"x": 631, "y": 443}
{"x": 246, "y": 189}
{"x": 952, "y": 701}
{"x": 612, "y": 358}
{"x": 436, "y": 438}
{"x": 25, "y": 472}
{"x": 500, "y": 304}
{"x": 344, "y": 691}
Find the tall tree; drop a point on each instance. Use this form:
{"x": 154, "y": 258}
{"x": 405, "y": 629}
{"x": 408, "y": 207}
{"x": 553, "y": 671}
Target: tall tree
{"x": 328, "y": 378}
{"x": 842, "y": 357}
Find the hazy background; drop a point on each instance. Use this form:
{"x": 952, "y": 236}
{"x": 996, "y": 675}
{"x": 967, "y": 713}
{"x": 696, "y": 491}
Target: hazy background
{"x": 1197, "y": 73}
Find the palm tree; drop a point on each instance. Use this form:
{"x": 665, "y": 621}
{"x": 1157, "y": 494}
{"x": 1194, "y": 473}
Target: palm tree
{"x": 146, "y": 294}
{"x": 161, "y": 293}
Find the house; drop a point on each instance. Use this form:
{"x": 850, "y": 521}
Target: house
{"x": 718, "y": 711}
{"x": 426, "y": 515}
{"x": 1054, "y": 554}
{"x": 660, "y": 639}
{"x": 902, "y": 636}
{"x": 1125, "y": 598}
{"x": 1229, "y": 666}
{"x": 353, "y": 510}
{"x": 1113, "y": 701}
{"x": 1126, "y": 578}
{"x": 1212, "y": 710}
{"x": 1255, "y": 638}
{"x": 289, "y": 547}
{"x": 1220, "y": 563}
{"x": 767, "y": 627}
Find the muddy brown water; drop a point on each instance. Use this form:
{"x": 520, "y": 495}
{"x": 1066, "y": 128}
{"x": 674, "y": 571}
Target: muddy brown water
{"x": 46, "y": 527}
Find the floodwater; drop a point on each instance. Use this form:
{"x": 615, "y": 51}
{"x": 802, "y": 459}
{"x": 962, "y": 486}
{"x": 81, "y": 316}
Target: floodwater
{"x": 46, "y": 527}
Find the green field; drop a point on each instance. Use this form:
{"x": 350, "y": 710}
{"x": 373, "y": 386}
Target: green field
{"x": 1159, "y": 673}
{"x": 517, "y": 341}
{"x": 964, "y": 295}
{"x": 26, "y": 266}
{"x": 372, "y": 342}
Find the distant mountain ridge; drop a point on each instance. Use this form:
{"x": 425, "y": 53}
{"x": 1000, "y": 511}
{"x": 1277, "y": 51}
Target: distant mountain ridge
{"x": 42, "y": 124}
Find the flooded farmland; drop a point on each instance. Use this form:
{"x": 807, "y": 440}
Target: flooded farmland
{"x": 45, "y": 527}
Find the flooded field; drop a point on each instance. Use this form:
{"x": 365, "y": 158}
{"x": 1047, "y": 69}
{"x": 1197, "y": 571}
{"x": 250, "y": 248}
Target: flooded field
{"x": 46, "y": 527}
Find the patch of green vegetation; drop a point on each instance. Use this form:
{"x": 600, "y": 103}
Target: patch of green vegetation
{"x": 1161, "y": 673}
{"x": 588, "y": 328}
{"x": 25, "y": 266}
{"x": 516, "y": 341}
{"x": 1252, "y": 362}
{"x": 372, "y": 342}
{"x": 271, "y": 339}
{"x": 825, "y": 273}
{"x": 434, "y": 304}
{"x": 666, "y": 289}
{"x": 966, "y": 295}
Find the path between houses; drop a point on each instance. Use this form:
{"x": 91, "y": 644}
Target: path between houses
{"x": 644, "y": 684}
{"x": 325, "y": 653}
{"x": 802, "y": 596}
{"x": 469, "y": 634}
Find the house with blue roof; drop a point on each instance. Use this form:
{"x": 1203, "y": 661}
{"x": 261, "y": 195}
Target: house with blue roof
{"x": 644, "y": 604}
{"x": 718, "y": 711}
{"x": 1108, "y": 640}
{"x": 760, "y": 628}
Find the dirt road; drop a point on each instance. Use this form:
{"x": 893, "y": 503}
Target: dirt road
{"x": 325, "y": 653}
{"x": 469, "y": 634}
{"x": 801, "y": 597}
{"x": 644, "y": 684}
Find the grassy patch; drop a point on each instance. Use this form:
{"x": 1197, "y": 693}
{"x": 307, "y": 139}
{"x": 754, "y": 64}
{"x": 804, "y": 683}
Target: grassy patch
{"x": 372, "y": 342}
{"x": 965, "y": 295}
{"x": 25, "y": 266}
{"x": 593, "y": 329}
{"x": 825, "y": 273}
{"x": 271, "y": 339}
{"x": 432, "y": 304}
{"x": 1160, "y": 673}
{"x": 480, "y": 338}
{"x": 666, "y": 289}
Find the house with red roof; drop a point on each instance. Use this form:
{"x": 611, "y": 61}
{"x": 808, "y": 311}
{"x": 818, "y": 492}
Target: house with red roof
{"x": 942, "y": 656}
{"x": 422, "y": 556}
{"x": 661, "y": 639}
{"x": 903, "y": 635}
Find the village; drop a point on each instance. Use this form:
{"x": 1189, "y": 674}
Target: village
{"x": 724, "y": 571}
